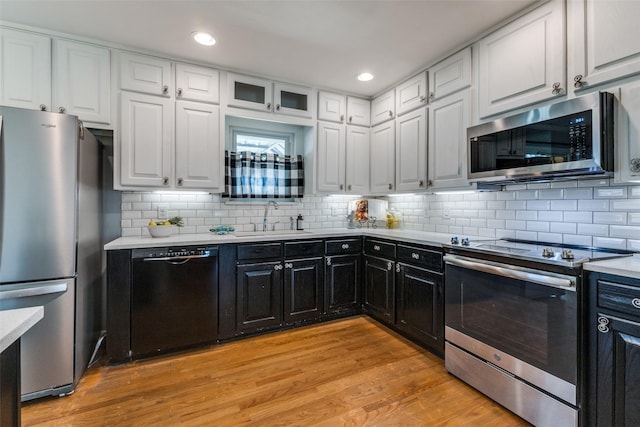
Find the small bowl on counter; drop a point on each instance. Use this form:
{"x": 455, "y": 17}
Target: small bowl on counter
{"x": 161, "y": 230}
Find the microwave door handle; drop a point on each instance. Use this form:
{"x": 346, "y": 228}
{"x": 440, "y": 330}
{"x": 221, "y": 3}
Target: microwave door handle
{"x": 527, "y": 276}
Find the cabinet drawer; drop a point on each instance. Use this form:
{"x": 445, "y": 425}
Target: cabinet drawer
{"x": 261, "y": 251}
{"x": 305, "y": 249}
{"x": 621, "y": 298}
{"x": 420, "y": 257}
{"x": 379, "y": 248}
{"x": 343, "y": 246}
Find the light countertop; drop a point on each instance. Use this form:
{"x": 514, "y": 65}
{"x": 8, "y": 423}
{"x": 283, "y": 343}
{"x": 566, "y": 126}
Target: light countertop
{"x": 627, "y": 266}
{"x": 14, "y": 323}
{"x": 412, "y": 236}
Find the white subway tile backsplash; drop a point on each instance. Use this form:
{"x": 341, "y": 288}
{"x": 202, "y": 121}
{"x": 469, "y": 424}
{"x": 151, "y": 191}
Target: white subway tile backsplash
{"x": 539, "y": 205}
{"x": 593, "y": 205}
{"x": 577, "y": 240}
{"x": 564, "y": 184}
{"x": 578, "y": 193}
{"x": 517, "y": 205}
{"x": 626, "y": 205}
{"x": 527, "y": 215}
{"x": 506, "y": 214}
{"x": 610, "y": 193}
{"x": 609, "y": 242}
{"x": 555, "y": 216}
{"x": 633, "y": 245}
{"x": 553, "y": 193}
{"x": 550, "y": 237}
{"x": 527, "y": 194}
{"x": 633, "y": 218}
{"x": 598, "y": 182}
{"x": 593, "y": 229}
{"x": 578, "y": 216}
{"x": 526, "y": 235}
{"x": 563, "y": 227}
{"x": 564, "y": 205}
{"x": 618, "y": 218}
{"x": 624, "y": 231}
{"x": 537, "y": 226}
{"x": 516, "y": 225}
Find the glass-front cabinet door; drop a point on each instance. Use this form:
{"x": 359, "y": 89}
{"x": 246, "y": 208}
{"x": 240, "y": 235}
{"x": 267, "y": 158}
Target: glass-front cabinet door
{"x": 293, "y": 100}
{"x": 250, "y": 92}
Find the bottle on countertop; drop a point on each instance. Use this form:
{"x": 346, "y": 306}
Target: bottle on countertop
{"x": 300, "y": 222}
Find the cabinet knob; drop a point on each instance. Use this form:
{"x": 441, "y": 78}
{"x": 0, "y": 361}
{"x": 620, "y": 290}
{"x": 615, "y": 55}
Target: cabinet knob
{"x": 557, "y": 90}
{"x": 349, "y": 187}
{"x": 61, "y": 110}
{"x": 328, "y": 261}
{"x": 390, "y": 186}
{"x": 634, "y": 165}
{"x": 421, "y": 183}
{"x": 179, "y": 91}
{"x": 342, "y": 118}
{"x": 288, "y": 265}
{"x": 603, "y": 324}
{"x": 431, "y": 96}
{"x": 277, "y": 107}
{"x": 390, "y": 113}
{"x": 577, "y": 81}
{"x": 398, "y": 268}
{"x": 43, "y": 107}
{"x": 180, "y": 181}
{"x": 415, "y": 255}
{"x": 345, "y": 246}
{"x": 636, "y": 302}
{"x": 341, "y": 186}
{"x": 389, "y": 266}
{"x": 376, "y": 247}
{"x": 277, "y": 267}
{"x": 350, "y": 119}
{"x": 165, "y": 89}
{"x": 268, "y": 106}
{"x": 165, "y": 180}
{"x": 422, "y": 99}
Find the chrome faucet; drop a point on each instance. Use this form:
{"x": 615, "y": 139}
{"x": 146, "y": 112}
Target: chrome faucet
{"x": 266, "y": 212}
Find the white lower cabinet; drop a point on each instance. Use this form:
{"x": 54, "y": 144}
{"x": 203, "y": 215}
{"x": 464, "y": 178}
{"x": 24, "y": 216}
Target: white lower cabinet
{"x": 411, "y": 151}
{"x": 449, "y": 118}
{"x": 343, "y": 154}
{"x": 627, "y": 167}
{"x": 198, "y": 153}
{"x": 382, "y": 155}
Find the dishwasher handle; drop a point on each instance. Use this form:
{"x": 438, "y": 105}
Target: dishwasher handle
{"x": 178, "y": 260}
{"x": 527, "y": 275}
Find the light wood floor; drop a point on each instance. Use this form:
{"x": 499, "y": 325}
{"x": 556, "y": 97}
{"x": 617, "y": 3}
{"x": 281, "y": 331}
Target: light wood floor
{"x": 351, "y": 372}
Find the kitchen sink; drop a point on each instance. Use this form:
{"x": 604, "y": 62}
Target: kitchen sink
{"x": 270, "y": 233}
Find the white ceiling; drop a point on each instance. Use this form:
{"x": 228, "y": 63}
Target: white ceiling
{"x": 320, "y": 43}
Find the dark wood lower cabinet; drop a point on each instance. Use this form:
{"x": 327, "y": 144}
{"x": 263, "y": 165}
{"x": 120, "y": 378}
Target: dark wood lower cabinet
{"x": 303, "y": 290}
{"x": 259, "y": 296}
{"x": 10, "y": 386}
{"x": 342, "y": 284}
{"x": 379, "y": 296}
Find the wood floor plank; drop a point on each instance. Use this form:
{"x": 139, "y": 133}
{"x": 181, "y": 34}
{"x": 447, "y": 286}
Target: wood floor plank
{"x": 351, "y": 372}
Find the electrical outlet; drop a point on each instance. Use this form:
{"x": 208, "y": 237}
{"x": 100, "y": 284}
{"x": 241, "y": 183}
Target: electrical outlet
{"x": 163, "y": 212}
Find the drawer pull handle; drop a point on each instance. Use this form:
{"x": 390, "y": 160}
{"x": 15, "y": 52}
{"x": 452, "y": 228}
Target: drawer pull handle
{"x": 376, "y": 247}
{"x": 603, "y": 324}
{"x": 345, "y": 246}
{"x": 636, "y": 302}
{"x": 415, "y": 255}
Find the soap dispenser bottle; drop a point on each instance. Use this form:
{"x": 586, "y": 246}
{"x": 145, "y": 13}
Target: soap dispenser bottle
{"x": 300, "y": 222}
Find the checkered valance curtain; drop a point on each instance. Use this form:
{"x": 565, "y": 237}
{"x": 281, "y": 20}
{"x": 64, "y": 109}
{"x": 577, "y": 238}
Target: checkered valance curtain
{"x": 263, "y": 176}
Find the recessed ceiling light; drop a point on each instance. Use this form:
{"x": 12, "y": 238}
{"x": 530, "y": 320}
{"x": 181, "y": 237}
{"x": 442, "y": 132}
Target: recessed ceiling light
{"x": 203, "y": 38}
{"x": 365, "y": 77}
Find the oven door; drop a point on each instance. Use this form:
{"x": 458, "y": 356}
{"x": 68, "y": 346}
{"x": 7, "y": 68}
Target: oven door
{"x": 520, "y": 320}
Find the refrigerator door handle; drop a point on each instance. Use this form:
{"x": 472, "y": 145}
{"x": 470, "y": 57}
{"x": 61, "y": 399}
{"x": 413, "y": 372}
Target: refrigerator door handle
{"x": 27, "y": 292}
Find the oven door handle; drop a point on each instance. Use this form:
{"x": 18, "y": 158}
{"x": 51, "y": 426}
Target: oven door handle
{"x": 527, "y": 276}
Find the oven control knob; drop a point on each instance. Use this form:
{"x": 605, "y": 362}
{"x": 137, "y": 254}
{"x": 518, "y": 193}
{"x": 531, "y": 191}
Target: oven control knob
{"x": 464, "y": 241}
{"x": 454, "y": 240}
{"x": 547, "y": 253}
{"x": 567, "y": 254}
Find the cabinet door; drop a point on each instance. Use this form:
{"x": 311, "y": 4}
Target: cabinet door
{"x": 82, "y": 81}
{"x": 293, "y": 100}
{"x": 618, "y": 372}
{"x": 448, "y": 121}
{"x": 303, "y": 289}
{"x": 250, "y": 92}
{"x": 411, "y": 94}
{"x": 357, "y": 160}
{"x": 419, "y": 305}
{"x": 342, "y": 284}
{"x": 383, "y": 107}
{"x": 145, "y": 74}
{"x": 379, "y": 289}
{"x": 411, "y": 151}
{"x": 25, "y": 79}
{"x": 450, "y": 75}
{"x": 195, "y": 83}
{"x": 259, "y": 296}
{"x": 628, "y": 148}
{"x": 331, "y": 107}
{"x": 331, "y": 157}
{"x": 358, "y": 111}
{"x": 603, "y": 40}
{"x": 383, "y": 158}
{"x": 198, "y": 153}
{"x": 519, "y": 64}
{"x": 146, "y": 148}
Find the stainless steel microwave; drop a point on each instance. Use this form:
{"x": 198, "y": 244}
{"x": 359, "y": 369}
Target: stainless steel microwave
{"x": 566, "y": 139}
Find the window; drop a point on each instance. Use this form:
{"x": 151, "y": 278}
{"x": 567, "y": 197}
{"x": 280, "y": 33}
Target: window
{"x": 262, "y": 141}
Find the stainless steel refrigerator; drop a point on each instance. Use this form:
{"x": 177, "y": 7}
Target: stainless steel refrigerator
{"x": 50, "y": 248}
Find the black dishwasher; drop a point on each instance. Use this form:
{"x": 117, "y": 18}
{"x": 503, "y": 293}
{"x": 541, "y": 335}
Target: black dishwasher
{"x": 174, "y": 298}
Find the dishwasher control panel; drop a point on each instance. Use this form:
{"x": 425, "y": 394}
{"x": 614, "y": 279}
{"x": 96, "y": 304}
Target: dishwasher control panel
{"x": 175, "y": 252}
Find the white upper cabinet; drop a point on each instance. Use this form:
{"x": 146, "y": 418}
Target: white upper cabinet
{"x": 199, "y": 157}
{"x": 383, "y": 107}
{"x": 332, "y": 107}
{"x": 450, "y": 75}
{"x": 25, "y": 79}
{"x": 146, "y": 74}
{"x": 411, "y": 94}
{"x": 331, "y": 157}
{"x": 358, "y": 111}
{"x": 411, "y": 151}
{"x": 382, "y": 158}
{"x": 449, "y": 118}
{"x": 603, "y": 40}
{"x": 82, "y": 76}
{"x": 357, "y": 160}
{"x": 523, "y": 62}
{"x": 627, "y": 156}
{"x": 146, "y": 148}
{"x": 264, "y": 95}
{"x": 194, "y": 83}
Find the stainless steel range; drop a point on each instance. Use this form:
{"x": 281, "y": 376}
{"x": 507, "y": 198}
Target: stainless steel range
{"x": 513, "y": 323}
